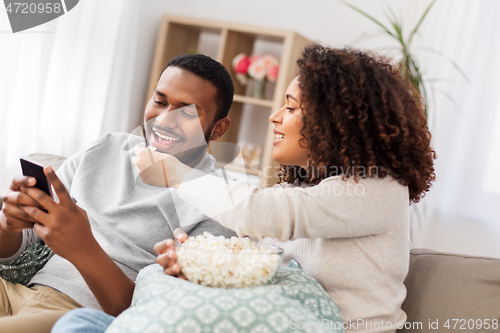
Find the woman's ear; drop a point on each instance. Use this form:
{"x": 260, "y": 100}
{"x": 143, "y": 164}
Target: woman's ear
{"x": 220, "y": 128}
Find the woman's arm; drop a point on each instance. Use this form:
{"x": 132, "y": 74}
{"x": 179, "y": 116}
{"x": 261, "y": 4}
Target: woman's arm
{"x": 334, "y": 208}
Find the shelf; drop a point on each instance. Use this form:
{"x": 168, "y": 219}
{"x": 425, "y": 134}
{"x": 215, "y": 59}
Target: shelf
{"x": 253, "y": 101}
{"x": 223, "y": 41}
{"x": 238, "y": 168}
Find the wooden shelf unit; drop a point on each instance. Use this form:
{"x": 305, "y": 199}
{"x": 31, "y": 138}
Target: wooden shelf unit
{"x": 180, "y": 35}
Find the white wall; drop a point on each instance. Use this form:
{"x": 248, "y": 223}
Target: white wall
{"x": 326, "y": 21}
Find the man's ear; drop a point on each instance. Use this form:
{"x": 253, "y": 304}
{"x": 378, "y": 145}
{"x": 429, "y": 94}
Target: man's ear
{"x": 220, "y": 128}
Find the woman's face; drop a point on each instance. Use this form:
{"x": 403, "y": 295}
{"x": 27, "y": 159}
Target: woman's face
{"x": 288, "y": 123}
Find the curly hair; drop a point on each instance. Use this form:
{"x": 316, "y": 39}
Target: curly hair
{"x": 359, "y": 113}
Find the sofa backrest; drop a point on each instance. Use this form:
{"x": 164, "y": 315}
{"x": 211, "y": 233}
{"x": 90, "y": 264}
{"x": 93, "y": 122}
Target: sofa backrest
{"x": 452, "y": 293}
{"x": 44, "y": 159}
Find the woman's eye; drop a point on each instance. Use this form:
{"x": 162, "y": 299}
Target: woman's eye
{"x": 290, "y": 109}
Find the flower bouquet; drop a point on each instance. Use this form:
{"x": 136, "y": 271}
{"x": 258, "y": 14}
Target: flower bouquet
{"x": 259, "y": 68}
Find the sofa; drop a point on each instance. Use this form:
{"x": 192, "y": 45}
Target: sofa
{"x": 452, "y": 293}
{"x": 445, "y": 292}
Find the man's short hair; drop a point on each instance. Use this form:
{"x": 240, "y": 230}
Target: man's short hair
{"x": 212, "y": 71}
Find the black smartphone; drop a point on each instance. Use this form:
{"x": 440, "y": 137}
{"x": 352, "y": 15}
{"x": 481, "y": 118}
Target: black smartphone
{"x": 35, "y": 170}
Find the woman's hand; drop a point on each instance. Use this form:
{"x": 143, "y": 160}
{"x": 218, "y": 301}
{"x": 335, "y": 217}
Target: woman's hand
{"x": 159, "y": 169}
{"x": 167, "y": 256}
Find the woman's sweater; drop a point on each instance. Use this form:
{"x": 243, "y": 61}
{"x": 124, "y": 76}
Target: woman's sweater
{"x": 351, "y": 237}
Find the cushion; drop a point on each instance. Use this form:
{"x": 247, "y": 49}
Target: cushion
{"x": 293, "y": 301}
{"x": 44, "y": 159}
{"x": 22, "y": 269}
{"x": 453, "y": 292}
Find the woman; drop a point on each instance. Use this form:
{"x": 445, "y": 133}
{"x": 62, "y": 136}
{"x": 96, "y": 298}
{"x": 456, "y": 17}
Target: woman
{"x": 353, "y": 138}
{"x": 355, "y": 152}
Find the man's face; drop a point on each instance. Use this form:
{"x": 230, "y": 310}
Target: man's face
{"x": 179, "y": 117}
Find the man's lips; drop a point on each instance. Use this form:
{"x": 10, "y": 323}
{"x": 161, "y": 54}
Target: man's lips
{"x": 162, "y": 140}
{"x": 165, "y": 136}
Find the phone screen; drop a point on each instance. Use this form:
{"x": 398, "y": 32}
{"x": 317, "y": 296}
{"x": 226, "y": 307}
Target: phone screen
{"x": 34, "y": 170}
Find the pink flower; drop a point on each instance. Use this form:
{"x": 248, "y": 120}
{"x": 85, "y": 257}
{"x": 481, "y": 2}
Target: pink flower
{"x": 253, "y": 58}
{"x": 272, "y": 73}
{"x": 241, "y": 63}
{"x": 257, "y": 69}
{"x": 270, "y": 60}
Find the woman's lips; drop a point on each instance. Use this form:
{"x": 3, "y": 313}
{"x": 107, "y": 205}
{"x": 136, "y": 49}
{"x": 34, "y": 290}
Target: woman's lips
{"x": 279, "y": 137}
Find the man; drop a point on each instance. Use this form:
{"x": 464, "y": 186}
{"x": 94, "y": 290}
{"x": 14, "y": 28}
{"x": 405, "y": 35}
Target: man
{"x": 106, "y": 222}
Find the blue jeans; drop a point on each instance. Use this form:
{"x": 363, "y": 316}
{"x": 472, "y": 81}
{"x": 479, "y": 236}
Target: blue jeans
{"x": 83, "y": 321}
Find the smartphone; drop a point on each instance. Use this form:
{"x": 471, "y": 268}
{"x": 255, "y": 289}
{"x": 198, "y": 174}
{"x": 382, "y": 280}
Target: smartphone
{"x": 35, "y": 170}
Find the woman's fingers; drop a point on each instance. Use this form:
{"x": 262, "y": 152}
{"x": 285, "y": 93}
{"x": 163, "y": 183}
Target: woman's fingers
{"x": 168, "y": 244}
{"x": 175, "y": 270}
{"x": 180, "y": 235}
{"x": 168, "y": 260}
{"x": 167, "y": 256}
{"x": 164, "y": 246}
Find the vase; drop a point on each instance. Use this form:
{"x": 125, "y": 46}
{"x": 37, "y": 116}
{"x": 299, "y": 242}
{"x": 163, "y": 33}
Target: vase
{"x": 258, "y": 89}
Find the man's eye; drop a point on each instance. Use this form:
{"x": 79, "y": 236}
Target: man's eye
{"x": 157, "y": 102}
{"x": 189, "y": 113}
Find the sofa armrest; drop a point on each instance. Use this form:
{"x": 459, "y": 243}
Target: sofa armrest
{"x": 442, "y": 287}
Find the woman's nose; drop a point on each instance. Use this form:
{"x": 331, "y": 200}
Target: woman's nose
{"x": 277, "y": 116}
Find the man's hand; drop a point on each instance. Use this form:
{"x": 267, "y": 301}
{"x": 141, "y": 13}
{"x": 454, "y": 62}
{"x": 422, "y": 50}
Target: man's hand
{"x": 65, "y": 227}
{"x": 13, "y": 219}
{"x": 159, "y": 169}
{"x": 167, "y": 256}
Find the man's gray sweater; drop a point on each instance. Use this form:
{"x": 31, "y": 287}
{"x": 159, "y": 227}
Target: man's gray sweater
{"x": 127, "y": 216}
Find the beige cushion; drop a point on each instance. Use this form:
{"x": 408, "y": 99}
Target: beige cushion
{"x": 444, "y": 286}
{"x": 44, "y": 159}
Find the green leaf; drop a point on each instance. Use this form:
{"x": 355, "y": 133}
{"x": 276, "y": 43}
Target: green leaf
{"x": 453, "y": 63}
{"x": 369, "y": 17}
{"x": 449, "y": 97}
{"x": 420, "y": 22}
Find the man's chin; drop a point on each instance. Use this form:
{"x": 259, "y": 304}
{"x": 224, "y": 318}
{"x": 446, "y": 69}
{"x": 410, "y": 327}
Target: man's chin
{"x": 190, "y": 157}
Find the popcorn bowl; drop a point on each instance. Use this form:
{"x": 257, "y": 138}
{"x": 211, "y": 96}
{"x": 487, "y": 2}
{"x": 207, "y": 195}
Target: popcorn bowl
{"x": 228, "y": 263}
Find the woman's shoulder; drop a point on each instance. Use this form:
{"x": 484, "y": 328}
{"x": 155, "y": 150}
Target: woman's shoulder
{"x": 374, "y": 187}
{"x": 386, "y": 187}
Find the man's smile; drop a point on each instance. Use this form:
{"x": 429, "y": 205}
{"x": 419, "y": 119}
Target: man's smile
{"x": 163, "y": 140}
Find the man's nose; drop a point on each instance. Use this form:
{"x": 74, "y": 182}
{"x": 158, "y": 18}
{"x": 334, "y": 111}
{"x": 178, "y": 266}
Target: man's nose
{"x": 168, "y": 118}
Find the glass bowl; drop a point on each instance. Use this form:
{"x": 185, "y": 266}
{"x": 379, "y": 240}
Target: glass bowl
{"x": 227, "y": 269}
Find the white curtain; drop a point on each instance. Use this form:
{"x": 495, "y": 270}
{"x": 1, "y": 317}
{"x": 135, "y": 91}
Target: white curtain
{"x": 67, "y": 82}
{"x": 466, "y": 135}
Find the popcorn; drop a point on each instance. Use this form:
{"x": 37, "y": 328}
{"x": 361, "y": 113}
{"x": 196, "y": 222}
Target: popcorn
{"x": 215, "y": 261}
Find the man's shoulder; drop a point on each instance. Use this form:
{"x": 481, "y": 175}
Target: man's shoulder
{"x": 115, "y": 140}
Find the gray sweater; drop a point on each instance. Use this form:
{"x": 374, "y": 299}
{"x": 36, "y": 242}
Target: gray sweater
{"x": 127, "y": 216}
